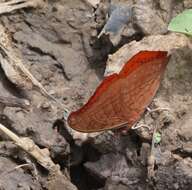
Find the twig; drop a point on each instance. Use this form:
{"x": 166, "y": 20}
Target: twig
{"x": 157, "y": 109}
{"x": 151, "y": 158}
{"x": 41, "y": 155}
{"x": 139, "y": 126}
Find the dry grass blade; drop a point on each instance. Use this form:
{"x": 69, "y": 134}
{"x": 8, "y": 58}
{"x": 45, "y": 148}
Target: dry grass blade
{"x": 9, "y": 6}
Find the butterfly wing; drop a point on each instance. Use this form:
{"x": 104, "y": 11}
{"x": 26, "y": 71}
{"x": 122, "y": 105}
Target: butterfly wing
{"x": 141, "y": 84}
{"x": 101, "y": 112}
{"x": 121, "y": 99}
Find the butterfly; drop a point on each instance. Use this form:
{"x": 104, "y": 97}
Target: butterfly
{"x": 122, "y": 98}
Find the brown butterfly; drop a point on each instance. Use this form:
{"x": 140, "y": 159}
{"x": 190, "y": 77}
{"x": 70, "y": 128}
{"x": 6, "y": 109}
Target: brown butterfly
{"x": 122, "y": 98}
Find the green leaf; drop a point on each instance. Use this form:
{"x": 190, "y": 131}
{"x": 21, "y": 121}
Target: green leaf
{"x": 182, "y": 23}
{"x": 157, "y": 138}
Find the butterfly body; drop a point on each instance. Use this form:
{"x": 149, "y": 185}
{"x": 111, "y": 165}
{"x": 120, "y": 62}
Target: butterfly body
{"x": 122, "y": 98}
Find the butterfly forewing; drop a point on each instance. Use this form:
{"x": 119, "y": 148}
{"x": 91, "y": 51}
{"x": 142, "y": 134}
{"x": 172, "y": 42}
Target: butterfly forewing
{"x": 121, "y": 99}
{"x": 139, "y": 88}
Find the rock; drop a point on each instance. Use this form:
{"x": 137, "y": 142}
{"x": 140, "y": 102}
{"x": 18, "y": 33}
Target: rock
{"x": 163, "y": 158}
{"x": 176, "y": 176}
{"x": 166, "y": 116}
{"x": 108, "y": 142}
{"x": 187, "y": 4}
{"x": 70, "y": 60}
{"x": 38, "y": 124}
{"x": 185, "y": 133}
{"x": 119, "y": 17}
{"x": 58, "y": 47}
{"x": 111, "y": 185}
{"x": 12, "y": 178}
{"x": 59, "y": 182}
{"x": 146, "y": 17}
{"x": 11, "y": 150}
{"x": 116, "y": 167}
{"x": 94, "y": 3}
{"x": 187, "y": 148}
{"x": 168, "y": 43}
{"x": 105, "y": 142}
{"x": 178, "y": 137}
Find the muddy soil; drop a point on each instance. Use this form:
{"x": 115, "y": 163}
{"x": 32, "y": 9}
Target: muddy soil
{"x": 60, "y": 47}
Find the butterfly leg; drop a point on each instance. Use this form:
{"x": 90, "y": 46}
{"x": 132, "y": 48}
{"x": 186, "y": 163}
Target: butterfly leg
{"x": 150, "y": 111}
{"x": 135, "y": 126}
{"x": 157, "y": 109}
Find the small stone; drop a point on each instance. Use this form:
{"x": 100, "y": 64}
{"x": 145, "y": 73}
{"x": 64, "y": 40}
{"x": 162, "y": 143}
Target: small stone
{"x": 176, "y": 186}
{"x": 46, "y": 105}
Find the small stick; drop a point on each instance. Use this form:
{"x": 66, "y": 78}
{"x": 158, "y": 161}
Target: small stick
{"x": 41, "y": 155}
{"x": 20, "y": 166}
{"x": 151, "y": 158}
{"x": 139, "y": 126}
{"x": 157, "y": 109}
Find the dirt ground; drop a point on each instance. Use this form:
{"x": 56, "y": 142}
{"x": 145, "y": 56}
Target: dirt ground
{"x": 60, "y": 47}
